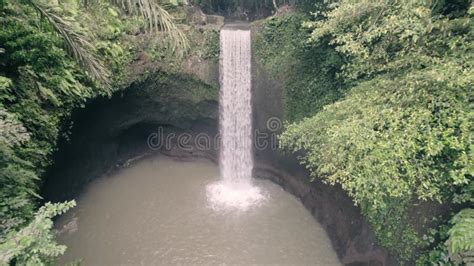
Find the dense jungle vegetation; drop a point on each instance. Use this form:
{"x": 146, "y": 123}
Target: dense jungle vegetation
{"x": 228, "y": 7}
{"x": 54, "y": 57}
{"x": 378, "y": 96}
{"x": 393, "y": 127}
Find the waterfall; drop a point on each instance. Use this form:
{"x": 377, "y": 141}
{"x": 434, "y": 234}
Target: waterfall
{"x": 235, "y": 119}
{"x": 235, "y": 189}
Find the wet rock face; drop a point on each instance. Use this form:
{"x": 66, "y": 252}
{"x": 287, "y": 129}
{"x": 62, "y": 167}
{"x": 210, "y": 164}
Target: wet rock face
{"x": 195, "y": 16}
{"x": 216, "y": 20}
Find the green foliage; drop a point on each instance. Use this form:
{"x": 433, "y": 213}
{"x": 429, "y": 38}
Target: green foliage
{"x": 155, "y": 19}
{"x": 210, "y": 45}
{"x": 455, "y": 245}
{"x": 35, "y": 243}
{"x": 76, "y": 42}
{"x": 307, "y": 71}
{"x": 248, "y": 6}
{"x": 403, "y": 132}
{"x": 387, "y": 145}
{"x": 40, "y": 84}
{"x": 16, "y": 175}
{"x": 385, "y": 37}
{"x": 112, "y": 43}
{"x": 461, "y": 234}
{"x": 205, "y": 46}
{"x": 43, "y": 77}
{"x": 438, "y": 255}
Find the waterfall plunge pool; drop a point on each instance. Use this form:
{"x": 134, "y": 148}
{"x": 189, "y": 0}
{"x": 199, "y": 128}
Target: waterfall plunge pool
{"x": 157, "y": 212}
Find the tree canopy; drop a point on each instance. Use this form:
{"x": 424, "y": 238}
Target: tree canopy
{"x": 402, "y": 134}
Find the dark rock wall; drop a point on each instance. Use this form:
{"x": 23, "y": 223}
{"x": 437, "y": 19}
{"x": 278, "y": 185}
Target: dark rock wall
{"x": 146, "y": 118}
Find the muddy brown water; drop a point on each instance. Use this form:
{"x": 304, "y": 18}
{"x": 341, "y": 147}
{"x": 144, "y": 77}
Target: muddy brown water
{"x": 155, "y": 212}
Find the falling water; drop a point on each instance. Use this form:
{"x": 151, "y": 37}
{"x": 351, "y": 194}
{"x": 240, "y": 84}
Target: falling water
{"x": 235, "y": 108}
{"x": 235, "y": 189}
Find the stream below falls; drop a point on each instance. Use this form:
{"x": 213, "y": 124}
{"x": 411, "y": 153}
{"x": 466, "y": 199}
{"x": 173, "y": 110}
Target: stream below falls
{"x": 157, "y": 212}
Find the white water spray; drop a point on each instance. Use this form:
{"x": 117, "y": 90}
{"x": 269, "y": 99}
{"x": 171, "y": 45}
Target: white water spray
{"x": 235, "y": 190}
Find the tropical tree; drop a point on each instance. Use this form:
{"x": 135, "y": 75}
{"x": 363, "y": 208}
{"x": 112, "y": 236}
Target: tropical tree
{"x": 40, "y": 85}
{"x": 79, "y": 45}
{"x": 401, "y": 136}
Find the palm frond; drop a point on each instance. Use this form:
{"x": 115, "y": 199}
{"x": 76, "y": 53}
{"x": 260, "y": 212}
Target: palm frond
{"x": 76, "y": 43}
{"x": 157, "y": 19}
{"x": 178, "y": 39}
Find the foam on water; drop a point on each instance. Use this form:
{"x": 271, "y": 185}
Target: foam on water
{"x": 226, "y": 196}
{"x": 235, "y": 190}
